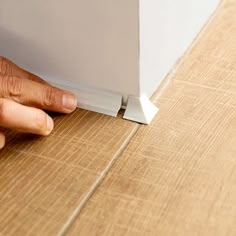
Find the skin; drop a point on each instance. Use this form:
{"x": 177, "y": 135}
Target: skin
{"x": 23, "y": 99}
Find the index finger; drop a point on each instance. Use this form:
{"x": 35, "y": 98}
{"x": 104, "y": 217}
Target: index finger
{"x": 7, "y": 67}
{"x": 37, "y": 95}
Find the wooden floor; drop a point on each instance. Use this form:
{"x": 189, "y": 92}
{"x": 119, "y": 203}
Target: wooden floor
{"x": 97, "y": 175}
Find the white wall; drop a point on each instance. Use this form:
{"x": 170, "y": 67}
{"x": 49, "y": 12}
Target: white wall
{"x": 167, "y": 28}
{"x": 121, "y": 46}
{"x": 91, "y": 42}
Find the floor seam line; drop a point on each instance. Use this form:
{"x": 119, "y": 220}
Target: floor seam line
{"x": 217, "y": 89}
{"x": 97, "y": 183}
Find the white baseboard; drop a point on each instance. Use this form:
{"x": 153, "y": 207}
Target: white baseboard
{"x": 140, "y": 109}
{"x": 90, "y": 98}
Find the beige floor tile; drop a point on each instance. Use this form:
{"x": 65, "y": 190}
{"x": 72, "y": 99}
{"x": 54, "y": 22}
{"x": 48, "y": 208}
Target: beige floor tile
{"x": 44, "y": 180}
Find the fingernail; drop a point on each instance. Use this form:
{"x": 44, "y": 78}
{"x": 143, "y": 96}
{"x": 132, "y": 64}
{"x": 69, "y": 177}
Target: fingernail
{"x": 50, "y": 124}
{"x": 69, "y": 102}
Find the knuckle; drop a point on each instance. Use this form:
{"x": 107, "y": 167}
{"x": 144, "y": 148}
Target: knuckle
{"x": 49, "y": 97}
{"x": 14, "y": 86}
{"x": 5, "y": 66}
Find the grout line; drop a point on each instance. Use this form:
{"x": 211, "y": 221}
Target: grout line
{"x": 97, "y": 183}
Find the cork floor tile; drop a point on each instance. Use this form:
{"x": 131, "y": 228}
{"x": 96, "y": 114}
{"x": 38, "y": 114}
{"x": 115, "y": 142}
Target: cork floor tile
{"x": 177, "y": 176}
{"x": 44, "y": 180}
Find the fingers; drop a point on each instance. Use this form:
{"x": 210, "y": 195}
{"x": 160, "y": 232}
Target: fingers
{"x": 38, "y": 95}
{"x": 27, "y": 75}
{"x": 2, "y": 140}
{"x": 22, "y": 118}
{"x": 9, "y": 68}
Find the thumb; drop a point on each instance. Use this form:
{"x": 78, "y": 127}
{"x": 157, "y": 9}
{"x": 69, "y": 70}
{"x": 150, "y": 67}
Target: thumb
{"x": 2, "y": 140}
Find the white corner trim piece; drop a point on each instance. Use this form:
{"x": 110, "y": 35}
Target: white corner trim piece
{"x": 91, "y": 99}
{"x": 140, "y": 109}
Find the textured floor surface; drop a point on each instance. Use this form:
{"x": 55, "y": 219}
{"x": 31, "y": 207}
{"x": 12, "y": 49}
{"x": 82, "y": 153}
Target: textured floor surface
{"x": 174, "y": 177}
{"x": 43, "y": 181}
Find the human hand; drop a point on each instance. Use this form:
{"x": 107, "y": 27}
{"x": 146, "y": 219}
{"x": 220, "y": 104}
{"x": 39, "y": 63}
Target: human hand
{"x": 24, "y": 96}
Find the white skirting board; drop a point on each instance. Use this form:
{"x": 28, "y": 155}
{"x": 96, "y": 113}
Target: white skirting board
{"x": 91, "y": 99}
{"x": 138, "y": 109}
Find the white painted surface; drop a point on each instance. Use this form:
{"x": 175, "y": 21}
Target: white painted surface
{"x": 167, "y": 28}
